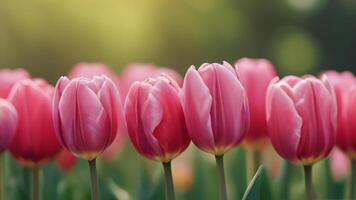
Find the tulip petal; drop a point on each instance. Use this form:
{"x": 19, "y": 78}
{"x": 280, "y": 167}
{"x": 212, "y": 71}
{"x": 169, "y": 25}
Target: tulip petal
{"x": 144, "y": 142}
{"x": 61, "y": 84}
{"x": 92, "y": 119}
{"x": 283, "y": 121}
{"x": 171, "y": 131}
{"x": 316, "y": 105}
{"x": 110, "y": 100}
{"x": 229, "y": 111}
{"x": 8, "y": 123}
{"x": 196, "y": 102}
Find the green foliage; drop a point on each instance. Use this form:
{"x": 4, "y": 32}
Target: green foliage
{"x": 254, "y": 189}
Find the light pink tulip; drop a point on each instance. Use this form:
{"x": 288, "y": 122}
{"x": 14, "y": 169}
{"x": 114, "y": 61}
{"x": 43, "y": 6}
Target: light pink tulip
{"x": 34, "y": 142}
{"x": 215, "y": 107}
{"x": 301, "y": 116}
{"x": 86, "y": 114}
{"x": 8, "y": 123}
{"x": 256, "y": 75}
{"x": 339, "y": 164}
{"x": 139, "y": 72}
{"x": 155, "y": 119}
{"x": 344, "y": 85}
{"x": 9, "y": 77}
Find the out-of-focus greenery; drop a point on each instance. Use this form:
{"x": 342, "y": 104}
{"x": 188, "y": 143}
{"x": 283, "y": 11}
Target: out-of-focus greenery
{"x": 299, "y": 36}
{"x": 48, "y": 37}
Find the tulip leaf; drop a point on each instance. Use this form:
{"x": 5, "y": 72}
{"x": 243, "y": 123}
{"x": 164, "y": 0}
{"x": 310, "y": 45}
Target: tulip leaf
{"x": 266, "y": 188}
{"x": 254, "y": 189}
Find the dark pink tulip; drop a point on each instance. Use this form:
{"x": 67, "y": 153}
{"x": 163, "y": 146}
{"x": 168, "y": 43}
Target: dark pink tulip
{"x": 140, "y": 72}
{"x": 215, "y": 107}
{"x": 86, "y": 113}
{"x": 8, "y": 123}
{"x": 301, "y": 116}
{"x": 256, "y": 75}
{"x": 9, "y": 77}
{"x": 155, "y": 119}
{"x": 35, "y": 141}
{"x": 344, "y": 85}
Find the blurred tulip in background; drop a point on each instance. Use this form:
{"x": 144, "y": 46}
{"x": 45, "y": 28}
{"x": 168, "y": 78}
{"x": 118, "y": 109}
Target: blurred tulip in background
{"x": 256, "y": 75}
{"x": 35, "y": 141}
{"x": 8, "y": 123}
{"x": 9, "y": 77}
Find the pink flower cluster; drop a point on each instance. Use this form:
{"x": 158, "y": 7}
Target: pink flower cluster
{"x": 216, "y": 106}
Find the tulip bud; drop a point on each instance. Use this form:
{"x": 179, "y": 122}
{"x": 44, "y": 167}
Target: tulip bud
{"x": 66, "y": 160}
{"x": 155, "y": 119}
{"x": 340, "y": 165}
{"x": 344, "y": 85}
{"x": 256, "y": 75}
{"x": 34, "y": 142}
{"x": 90, "y": 70}
{"x": 86, "y": 114}
{"x": 8, "y": 78}
{"x": 140, "y": 72}
{"x": 215, "y": 107}
{"x": 301, "y": 117}
{"x": 8, "y": 123}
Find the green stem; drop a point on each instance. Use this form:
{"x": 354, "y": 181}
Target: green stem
{"x": 93, "y": 180}
{"x": 2, "y": 176}
{"x": 284, "y": 180}
{"x": 352, "y": 180}
{"x": 221, "y": 173}
{"x": 169, "y": 181}
{"x": 35, "y": 183}
{"x": 253, "y": 162}
{"x": 308, "y": 182}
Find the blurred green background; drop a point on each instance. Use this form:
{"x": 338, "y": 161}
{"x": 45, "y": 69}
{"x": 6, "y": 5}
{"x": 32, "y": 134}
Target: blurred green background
{"x": 47, "y": 37}
{"x": 298, "y": 36}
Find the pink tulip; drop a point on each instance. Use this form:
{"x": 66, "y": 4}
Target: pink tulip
{"x": 340, "y": 165}
{"x": 344, "y": 85}
{"x": 301, "y": 116}
{"x": 9, "y": 77}
{"x": 35, "y": 141}
{"x": 255, "y": 75}
{"x": 90, "y": 70}
{"x": 215, "y": 107}
{"x": 155, "y": 119}
{"x": 86, "y": 114}
{"x": 116, "y": 146}
{"x": 66, "y": 161}
{"x": 8, "y": 123}
{"x": 140, "y": 72}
